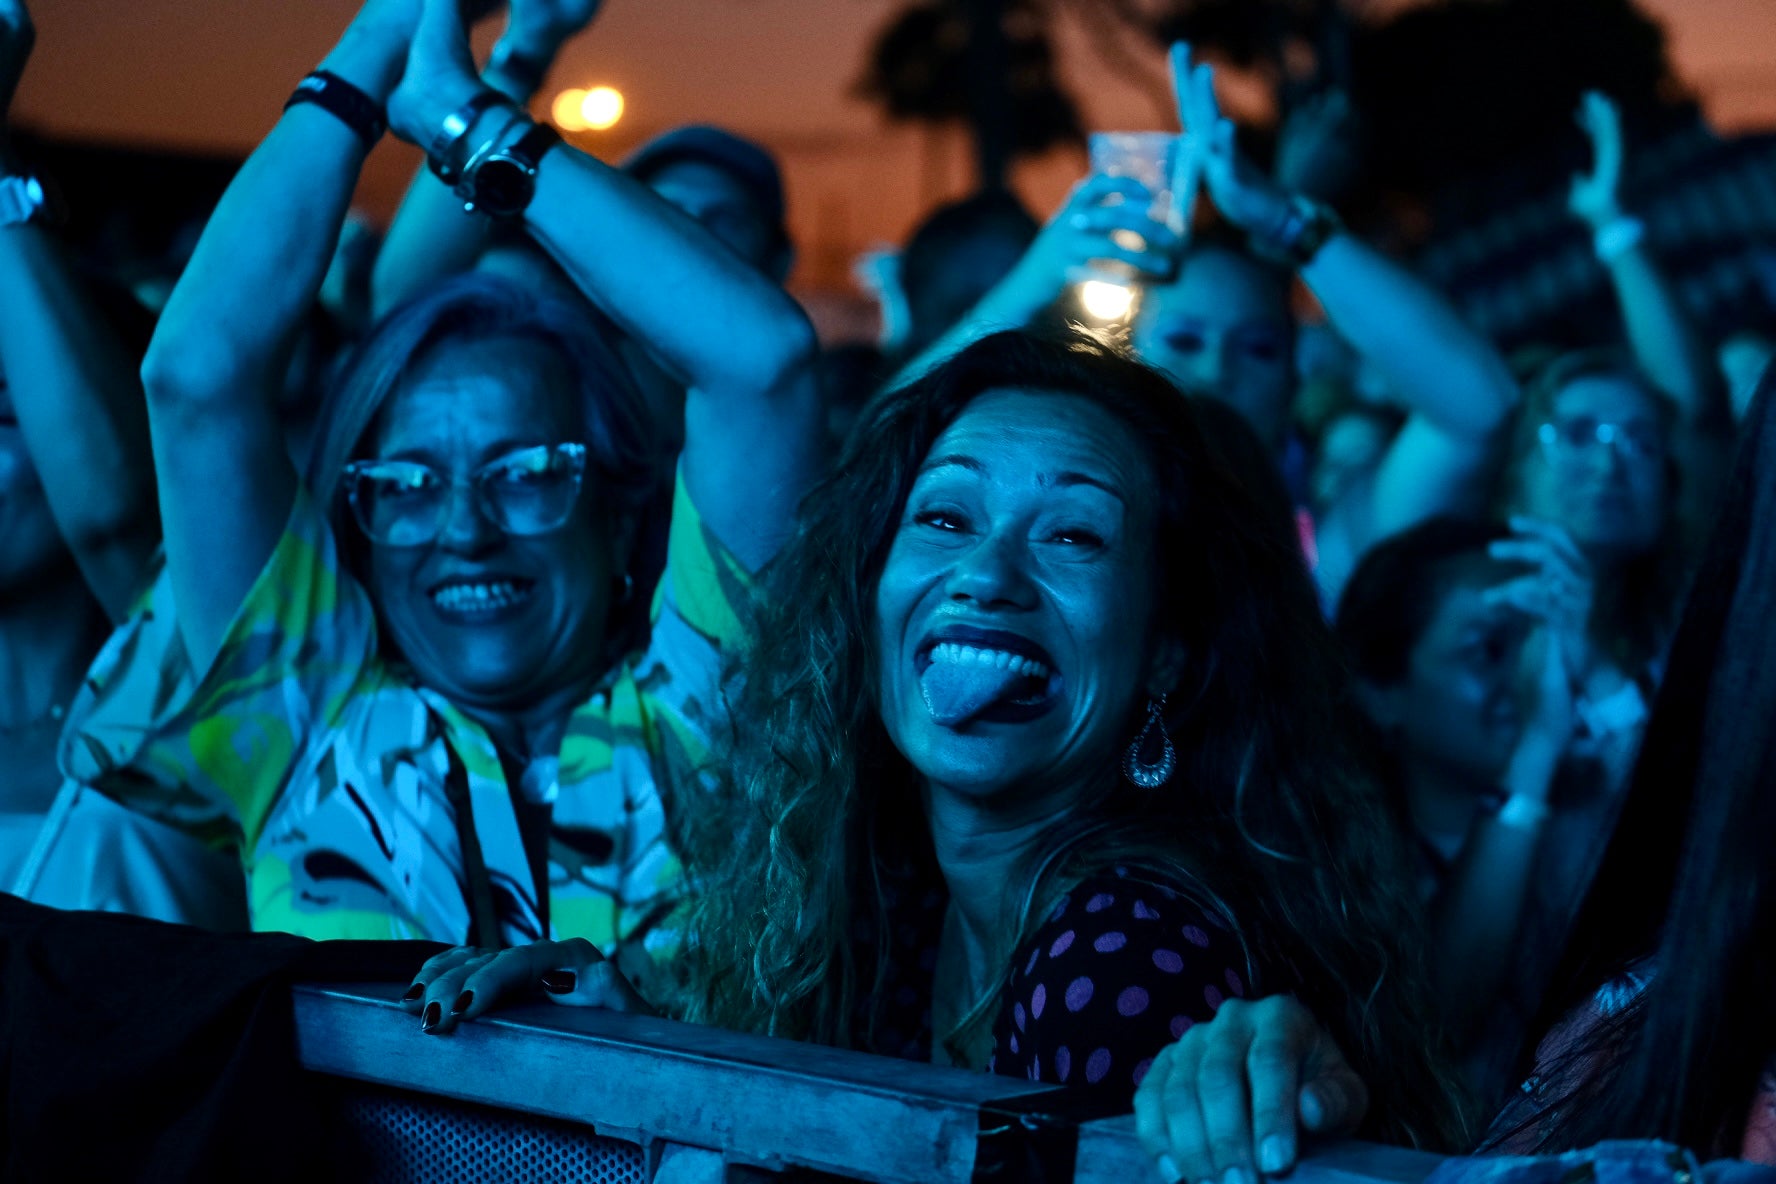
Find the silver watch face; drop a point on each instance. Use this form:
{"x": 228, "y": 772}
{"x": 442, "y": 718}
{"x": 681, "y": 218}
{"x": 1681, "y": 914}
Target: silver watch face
{"x": 502, "y": 186}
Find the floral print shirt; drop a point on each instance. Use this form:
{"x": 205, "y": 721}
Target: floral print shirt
{"x": 328, "y": 768}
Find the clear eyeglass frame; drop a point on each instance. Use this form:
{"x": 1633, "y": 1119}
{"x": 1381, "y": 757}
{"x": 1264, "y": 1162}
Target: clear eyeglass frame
{"x": 1574, "y": 436}
{"x": 525, "y": 492}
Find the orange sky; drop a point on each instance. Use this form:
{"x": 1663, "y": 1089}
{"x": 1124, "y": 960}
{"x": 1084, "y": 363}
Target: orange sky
{"x": 212, "y": 74}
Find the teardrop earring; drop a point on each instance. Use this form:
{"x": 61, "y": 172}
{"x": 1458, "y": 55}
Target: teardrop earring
{"x": 1151, "y": 759}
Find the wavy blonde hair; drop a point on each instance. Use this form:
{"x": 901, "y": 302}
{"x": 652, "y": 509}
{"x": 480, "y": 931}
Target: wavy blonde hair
{"x": 1267, "y": 819}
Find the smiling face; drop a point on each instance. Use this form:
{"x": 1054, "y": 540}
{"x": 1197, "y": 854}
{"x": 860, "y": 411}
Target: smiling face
{"x": 486, "y": 618}
{"x": 1013, "y": 617}
{"x": 1223, "y": 329}
{"x": 1611, "y": 497}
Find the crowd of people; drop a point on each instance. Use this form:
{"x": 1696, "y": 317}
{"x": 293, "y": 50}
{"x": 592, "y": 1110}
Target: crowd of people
{"x": 1268, "y": 749}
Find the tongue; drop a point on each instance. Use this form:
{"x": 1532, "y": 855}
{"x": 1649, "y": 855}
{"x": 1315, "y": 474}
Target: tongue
{"x": 955, "y": 694}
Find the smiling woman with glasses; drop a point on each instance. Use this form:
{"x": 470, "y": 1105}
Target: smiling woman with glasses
{"x": 438, "y": 697}
{"x": 404, "y": 503}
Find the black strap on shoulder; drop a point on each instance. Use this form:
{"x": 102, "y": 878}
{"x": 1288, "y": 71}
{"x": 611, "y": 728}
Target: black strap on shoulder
{"x": 484, "y": 926}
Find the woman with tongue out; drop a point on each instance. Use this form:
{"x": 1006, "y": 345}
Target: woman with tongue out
{"x": 415, "y": 718}
{"x": 1037, "y": 759}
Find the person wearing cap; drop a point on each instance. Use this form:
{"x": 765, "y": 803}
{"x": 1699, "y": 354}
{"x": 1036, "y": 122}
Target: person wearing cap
{"x": 726, "y": 182}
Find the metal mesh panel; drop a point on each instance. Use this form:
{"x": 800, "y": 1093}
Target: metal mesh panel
{"x": 387, "y": 1136}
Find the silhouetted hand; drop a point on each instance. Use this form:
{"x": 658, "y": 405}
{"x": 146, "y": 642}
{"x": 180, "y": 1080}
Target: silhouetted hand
{"x": 1319, "y": 149}
{"x": 1595, "y": 197}
{"x": 467, "y": 982}
{"x": 1235, "y": 1092}
{"x": 539, "y": 28}
{"x": 17, "y": 36}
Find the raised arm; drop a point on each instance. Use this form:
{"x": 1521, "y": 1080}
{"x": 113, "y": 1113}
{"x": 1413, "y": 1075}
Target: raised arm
{"x": 1457, "y": 390}
{"x": 217, "y": 361}
{"x": 1660, "y": 332}
{"x": 743, "y": 347}
{"x": 72, "y": 386}
{"x": 430, "y": 239}
{"x": 1076, "y": 245}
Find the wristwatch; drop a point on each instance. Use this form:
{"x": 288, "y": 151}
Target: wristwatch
{"x": 501, "y": 182}
{"x": 1298, "y": 239}
{"x": 23, "y": 199}
{"x": 441, "y": 154}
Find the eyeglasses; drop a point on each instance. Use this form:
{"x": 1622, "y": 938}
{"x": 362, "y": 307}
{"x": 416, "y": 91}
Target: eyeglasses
{"x": 1572, "y": 437}
{"x": 402, "y": 503}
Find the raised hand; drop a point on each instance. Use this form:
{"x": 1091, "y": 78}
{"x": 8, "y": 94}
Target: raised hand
{"x": 1319, "y": 149}
{"x": 1558, "y": 589}
{"x": 440, "y": 74}
{"x": 538, "y": 28}
{"x": 1233, "y": 1094}
{"x": 1595, "y": 197}
{"x": 1240, "y": 190}
{"x": 467, "y": 982}
{"x": 17, "y": 36}
{"x": 1104, "y": 220}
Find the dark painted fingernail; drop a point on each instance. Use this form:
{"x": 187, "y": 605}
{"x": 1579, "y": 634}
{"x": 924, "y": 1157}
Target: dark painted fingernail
{"x": 413, "y": 993}
{"x": 559, "y": 982}
{"x": 463, "y": 1002}
{"x": 434, "y": 1012}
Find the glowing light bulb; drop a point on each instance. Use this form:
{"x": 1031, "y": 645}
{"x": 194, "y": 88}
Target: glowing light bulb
{"x": 566, "y": 110}
{"x": 602, "y": 107}
{"x": 1105, "y": 301}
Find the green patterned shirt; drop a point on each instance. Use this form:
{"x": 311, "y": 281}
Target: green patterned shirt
{"x": 326, "y": 766}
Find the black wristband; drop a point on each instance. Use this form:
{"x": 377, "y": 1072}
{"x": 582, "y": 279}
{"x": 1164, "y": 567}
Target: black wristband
{"x": 343, "y": 101}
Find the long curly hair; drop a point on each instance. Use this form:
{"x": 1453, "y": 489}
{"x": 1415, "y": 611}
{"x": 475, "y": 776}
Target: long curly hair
{"x": 1266, "y": 820}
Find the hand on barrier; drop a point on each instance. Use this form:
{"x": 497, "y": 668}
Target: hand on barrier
{"x": 1232, "y": 1094}
{"x": 468, "y": 981}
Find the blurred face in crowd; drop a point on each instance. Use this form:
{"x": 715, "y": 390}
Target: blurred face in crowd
{"x": 1599, "y": 467}
{"x": 965, "y": 274}
{"x": 487, "y": 617}
{"x": 1223, "y": 329}
{"x": 1013, "y": 613}
{"x": 1351, "y": 446}
{"x": 30, "y": 542}
{"x": 714, "y": 197}
{"x": 1456, "y": 711}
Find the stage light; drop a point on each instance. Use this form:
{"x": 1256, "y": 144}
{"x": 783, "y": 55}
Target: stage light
{"x": 602, "y": 107}
{"x": 567, "y": 110}
{"x": 1105, "y": 301}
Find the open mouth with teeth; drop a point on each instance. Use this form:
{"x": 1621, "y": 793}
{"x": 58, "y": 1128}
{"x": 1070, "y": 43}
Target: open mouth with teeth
{"x": 481, "y": 600}
{"x": 986, "y": 676}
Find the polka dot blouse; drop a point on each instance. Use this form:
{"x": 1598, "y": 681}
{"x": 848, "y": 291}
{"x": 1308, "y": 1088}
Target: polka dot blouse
{"x": 1120, "y": 969}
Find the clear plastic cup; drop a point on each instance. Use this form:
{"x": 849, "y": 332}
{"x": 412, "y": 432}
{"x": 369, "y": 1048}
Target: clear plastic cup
{"x": 1148, "y": 157}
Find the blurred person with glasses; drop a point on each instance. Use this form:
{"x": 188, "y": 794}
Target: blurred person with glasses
{"x": 436, "y": 696}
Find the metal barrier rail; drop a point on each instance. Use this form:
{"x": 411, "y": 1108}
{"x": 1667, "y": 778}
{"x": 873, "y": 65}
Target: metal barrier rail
{"x": 547, "y": 1092}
